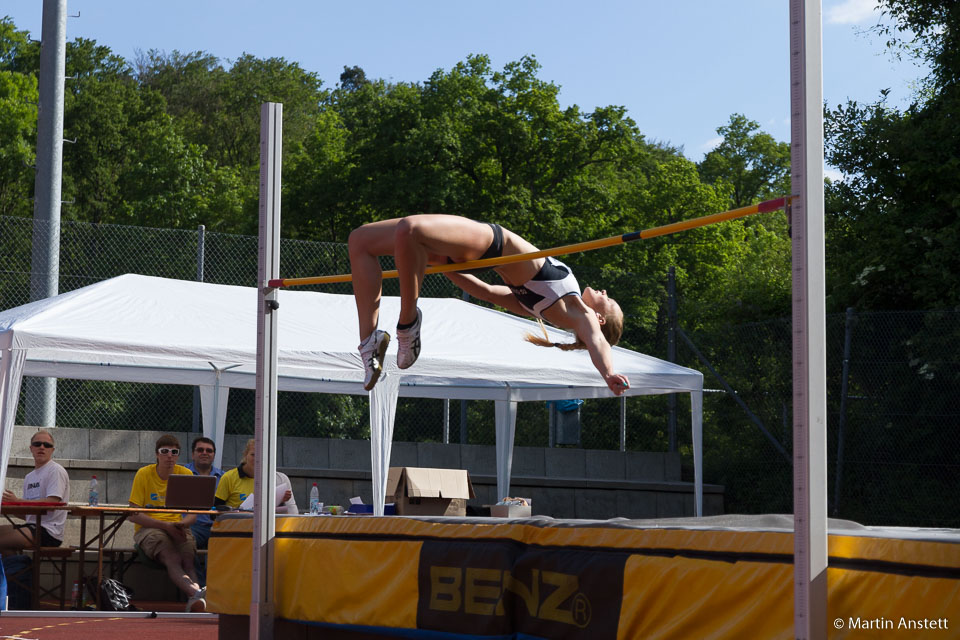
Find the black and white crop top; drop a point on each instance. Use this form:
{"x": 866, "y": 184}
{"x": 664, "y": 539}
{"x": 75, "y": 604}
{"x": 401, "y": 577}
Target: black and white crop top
{"x": 554, "y": 281}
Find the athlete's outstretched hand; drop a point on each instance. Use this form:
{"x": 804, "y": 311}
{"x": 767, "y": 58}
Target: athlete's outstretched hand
{"x": 617, "y": 383}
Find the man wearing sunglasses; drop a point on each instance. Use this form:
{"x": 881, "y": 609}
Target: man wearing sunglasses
{"x": 204, "y": 450}
{"x": 48, "y": 482}
{"x": 165, "y": 537}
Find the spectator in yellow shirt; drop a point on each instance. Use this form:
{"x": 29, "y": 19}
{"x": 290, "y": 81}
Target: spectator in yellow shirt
{"x": 165, "y": 537}
{"x": 235, "y": 485}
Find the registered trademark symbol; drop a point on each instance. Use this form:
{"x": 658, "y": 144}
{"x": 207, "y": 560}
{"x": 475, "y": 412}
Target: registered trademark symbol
{"x": 581, "y": 610}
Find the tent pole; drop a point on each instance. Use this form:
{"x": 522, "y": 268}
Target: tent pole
{"x": 11, "y": 375}
{"x": 623, "y": 423}
{"x": 201, "y": 231}
{"x": 672, "y": 354}
{"x": 696, "y": 426}
{"x": 446, "y": 421}
{"x": 506, "y": 419}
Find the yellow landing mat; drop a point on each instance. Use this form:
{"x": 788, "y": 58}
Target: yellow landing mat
{"x": 722, "y": 577}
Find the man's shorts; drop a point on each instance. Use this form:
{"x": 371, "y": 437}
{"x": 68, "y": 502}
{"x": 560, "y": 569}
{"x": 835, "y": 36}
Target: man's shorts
{"x": 46, "y": 540}
{"x": 152, "y": 541}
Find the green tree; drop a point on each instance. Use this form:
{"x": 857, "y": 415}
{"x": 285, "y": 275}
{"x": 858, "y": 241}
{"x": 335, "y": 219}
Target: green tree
{"x": 18, "y": 53}
{"x": 893, "y": 223}
{"x": 18, "y": 131}
{"x": 317, "y": 203}
{"x": 353, "y": 78}
{"x": 491, "y": 145}
{"x": 750, "y": 162}
{"x": 926, "y": 29}
{"x": 129, "y": 163}
{"x": 18, "y": 119}
{"x": 218, "y": 109}
{"x": 892, "y": 244}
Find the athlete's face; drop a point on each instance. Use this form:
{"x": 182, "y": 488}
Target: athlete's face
{"x": 598, "y": 300}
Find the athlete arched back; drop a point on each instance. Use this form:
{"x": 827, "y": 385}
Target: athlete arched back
{"x": 543, "y": 288}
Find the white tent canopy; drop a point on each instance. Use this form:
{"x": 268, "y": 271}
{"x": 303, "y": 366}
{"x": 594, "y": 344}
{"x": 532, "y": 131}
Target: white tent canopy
{"x": 137, "y": 328}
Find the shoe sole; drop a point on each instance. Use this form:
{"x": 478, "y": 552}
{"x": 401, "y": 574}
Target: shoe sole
{"x": 381, "y": 354}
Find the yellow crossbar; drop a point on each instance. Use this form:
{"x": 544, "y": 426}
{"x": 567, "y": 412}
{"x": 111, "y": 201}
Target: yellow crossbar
{"x": 742, "y": 212}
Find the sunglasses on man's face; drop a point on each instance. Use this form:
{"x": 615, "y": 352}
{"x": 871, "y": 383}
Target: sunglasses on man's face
{"x": 165, "y": 451}
{"x": 204, "y": 450}
{"x": 45, "y": 445}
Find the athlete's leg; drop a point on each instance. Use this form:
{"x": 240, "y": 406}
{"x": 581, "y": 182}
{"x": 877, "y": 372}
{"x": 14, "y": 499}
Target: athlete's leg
{"x": 367, "y": 244}
{"x": 422, "y": 238}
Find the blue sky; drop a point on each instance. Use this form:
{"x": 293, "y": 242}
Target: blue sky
{"x": 680, "y": 67}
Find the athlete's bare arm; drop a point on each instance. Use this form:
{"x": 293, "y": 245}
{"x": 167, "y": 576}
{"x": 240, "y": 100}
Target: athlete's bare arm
{"x": 497, "y": 294}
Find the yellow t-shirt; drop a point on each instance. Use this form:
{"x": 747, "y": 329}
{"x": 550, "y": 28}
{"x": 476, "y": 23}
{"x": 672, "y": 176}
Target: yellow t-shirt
{"x": 149, "y": 490}
{"x": 234, "y": 489}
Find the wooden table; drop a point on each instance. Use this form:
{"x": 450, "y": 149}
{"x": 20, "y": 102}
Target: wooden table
{"x": 109, "y": 518}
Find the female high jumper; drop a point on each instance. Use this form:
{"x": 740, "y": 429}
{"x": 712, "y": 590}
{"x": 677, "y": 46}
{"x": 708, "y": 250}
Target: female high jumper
{"x": 543, "y": 288}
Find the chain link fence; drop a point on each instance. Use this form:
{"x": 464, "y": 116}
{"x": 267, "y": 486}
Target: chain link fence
{"x": 892, "y": 415}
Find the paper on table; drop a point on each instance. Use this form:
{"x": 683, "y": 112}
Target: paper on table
{"x": 247, "y": 504}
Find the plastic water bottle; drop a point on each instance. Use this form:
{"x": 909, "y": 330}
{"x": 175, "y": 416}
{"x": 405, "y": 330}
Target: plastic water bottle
{"x": 93, "y": 497}
{"x": 314, "y": 499}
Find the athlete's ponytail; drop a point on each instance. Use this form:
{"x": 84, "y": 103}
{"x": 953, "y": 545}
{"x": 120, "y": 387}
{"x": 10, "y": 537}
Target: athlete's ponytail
{"x": 611, "y": 329}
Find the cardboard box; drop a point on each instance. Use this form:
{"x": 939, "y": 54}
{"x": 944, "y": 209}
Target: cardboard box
{"x": 419, "y": 491}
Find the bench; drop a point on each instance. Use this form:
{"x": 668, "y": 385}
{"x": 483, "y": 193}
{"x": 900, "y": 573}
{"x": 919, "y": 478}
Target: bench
{"x": 122, "y": 558}
{"x": 57, "y": 558}
{"x": 139, "y": 573}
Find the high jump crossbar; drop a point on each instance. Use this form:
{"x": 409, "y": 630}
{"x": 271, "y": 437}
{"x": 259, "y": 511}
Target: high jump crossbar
{"x": 667, "y": 229}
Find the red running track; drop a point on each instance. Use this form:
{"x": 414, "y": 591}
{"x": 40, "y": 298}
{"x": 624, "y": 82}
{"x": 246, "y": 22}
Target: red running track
{"x": 106, "y": 628}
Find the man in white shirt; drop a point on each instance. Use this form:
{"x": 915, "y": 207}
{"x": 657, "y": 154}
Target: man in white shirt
{"x": 48, "y": 482}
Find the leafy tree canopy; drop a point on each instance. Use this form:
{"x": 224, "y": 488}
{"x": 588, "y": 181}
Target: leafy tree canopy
{"x": 754, "y": 165}
{"x": 893, "y": 223}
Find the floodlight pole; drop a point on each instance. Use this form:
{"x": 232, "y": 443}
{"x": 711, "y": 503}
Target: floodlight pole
{"x": 806, "y": 211}
{"x": 268, "y": 266}
{"x": 40, "y": 405}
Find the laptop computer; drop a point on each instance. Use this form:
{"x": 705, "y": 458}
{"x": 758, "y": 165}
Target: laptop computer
{"x": 190, "y": 492}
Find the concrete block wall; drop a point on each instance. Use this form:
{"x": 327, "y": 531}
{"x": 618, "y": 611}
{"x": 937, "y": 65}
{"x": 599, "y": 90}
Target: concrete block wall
{"x": 563, "y": 482}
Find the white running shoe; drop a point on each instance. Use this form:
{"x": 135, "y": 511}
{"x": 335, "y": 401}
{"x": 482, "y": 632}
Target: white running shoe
{"x": 372, "y": 351}
{"x": 408, "y": 344}
{"x": 198, "y": 602}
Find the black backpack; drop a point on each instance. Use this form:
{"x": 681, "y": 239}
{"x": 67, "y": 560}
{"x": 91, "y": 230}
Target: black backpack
{"x": 114, "y": 595}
